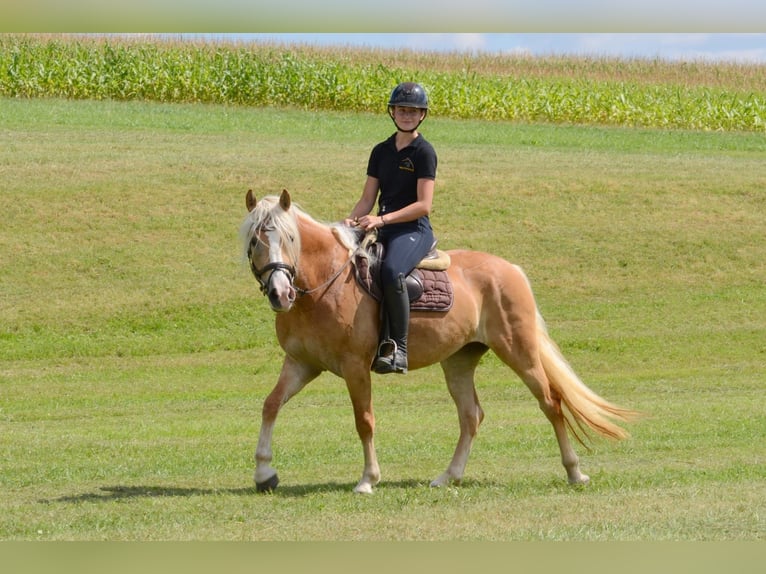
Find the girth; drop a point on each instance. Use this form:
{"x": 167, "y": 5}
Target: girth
{"x": 428, "y": 285}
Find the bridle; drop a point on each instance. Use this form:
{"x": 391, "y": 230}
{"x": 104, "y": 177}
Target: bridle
{"x": 272, "y": 267}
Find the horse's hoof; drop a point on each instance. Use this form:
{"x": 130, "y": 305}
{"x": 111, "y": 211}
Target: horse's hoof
{"x": 582, "y": 480}
{"x": 445, "y": 480}
{"x": 363, "y": 488}
{"x": 268, "y": 485}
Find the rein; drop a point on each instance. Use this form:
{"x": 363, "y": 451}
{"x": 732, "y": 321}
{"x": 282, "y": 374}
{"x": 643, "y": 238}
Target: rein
{"x": 335, "y": 275}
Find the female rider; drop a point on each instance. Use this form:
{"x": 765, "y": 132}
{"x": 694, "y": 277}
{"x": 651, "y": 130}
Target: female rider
{"x": 400, "y": 174}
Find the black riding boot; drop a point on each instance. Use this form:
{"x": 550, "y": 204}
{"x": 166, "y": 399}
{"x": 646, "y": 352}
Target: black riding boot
{"x": 392, "y": 352}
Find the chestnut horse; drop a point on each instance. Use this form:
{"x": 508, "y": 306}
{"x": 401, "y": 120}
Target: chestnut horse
{"x": 326, "y": 322}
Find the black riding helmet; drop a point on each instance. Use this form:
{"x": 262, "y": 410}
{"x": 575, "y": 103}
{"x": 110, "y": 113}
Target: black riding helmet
{"x": 408, "y": 95}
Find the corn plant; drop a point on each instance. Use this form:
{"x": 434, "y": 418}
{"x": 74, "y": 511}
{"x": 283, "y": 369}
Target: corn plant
{"x": 564, "y": 90}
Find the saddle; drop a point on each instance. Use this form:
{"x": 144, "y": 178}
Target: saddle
{"x": 428, "y": 285}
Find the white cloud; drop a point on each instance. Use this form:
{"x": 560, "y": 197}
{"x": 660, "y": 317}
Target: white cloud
{"x": 471, "y": 42}
{"x": 753, "y": 56}
{"x": 671, "y": 46}
{"x": 459, "y": 42}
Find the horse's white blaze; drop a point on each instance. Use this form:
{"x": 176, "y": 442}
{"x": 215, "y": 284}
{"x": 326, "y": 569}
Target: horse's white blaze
{"x": 281, "y": 283}
{"x": 275, "y": 246}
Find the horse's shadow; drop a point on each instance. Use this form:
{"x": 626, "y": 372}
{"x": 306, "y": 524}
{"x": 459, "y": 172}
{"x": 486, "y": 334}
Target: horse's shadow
{"x": 111, "y": 493}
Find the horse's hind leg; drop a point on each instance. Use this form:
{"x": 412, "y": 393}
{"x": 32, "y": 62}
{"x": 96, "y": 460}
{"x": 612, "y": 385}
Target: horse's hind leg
{"x": 525, "y": 361}
{"x": 293, "y": 377}
{"x": 550, "y": 404}
{"x": 459, "y": 372}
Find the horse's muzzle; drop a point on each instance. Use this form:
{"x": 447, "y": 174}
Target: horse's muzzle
{"x": 281, "y": 299}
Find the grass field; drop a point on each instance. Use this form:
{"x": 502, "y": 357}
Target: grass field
{"x": 135, "y": 350}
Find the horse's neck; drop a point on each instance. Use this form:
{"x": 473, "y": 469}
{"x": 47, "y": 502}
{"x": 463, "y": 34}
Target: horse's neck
{"x": 321, "y": 252}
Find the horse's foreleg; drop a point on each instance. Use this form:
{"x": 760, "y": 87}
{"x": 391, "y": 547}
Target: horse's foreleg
{"x": 459, "y": 374}
{"x": 360, "y": 391}
{"x": 293, "y": 377}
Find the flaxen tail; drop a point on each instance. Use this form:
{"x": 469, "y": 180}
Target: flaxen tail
{"x": 584, "y": 410}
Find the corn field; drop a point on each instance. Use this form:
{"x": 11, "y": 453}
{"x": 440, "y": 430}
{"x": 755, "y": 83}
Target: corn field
{"x": 552, "y": 90}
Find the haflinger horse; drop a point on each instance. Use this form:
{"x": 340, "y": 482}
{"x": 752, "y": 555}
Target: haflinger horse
{"x": 326, "y": 322}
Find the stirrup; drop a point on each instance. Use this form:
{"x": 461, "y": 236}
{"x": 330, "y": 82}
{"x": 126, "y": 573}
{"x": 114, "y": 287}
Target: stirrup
{"x": 384, "y": 356}
{"x": 385, "y": 344}
{"x": 393, "y": 362}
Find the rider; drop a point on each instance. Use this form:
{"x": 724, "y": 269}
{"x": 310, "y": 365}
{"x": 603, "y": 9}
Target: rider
{"x": 402, "y": 169}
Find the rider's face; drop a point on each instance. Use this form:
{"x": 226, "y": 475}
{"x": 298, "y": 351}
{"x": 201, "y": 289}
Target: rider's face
{"x": 408, "y": 113}
{"x": 408, "y": 118}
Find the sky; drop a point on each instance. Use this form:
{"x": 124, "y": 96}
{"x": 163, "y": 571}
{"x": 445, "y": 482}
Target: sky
{"x": 647, "y": 27}
{"x": 728, "y": 47}
{"x": 718, "y": 30}
{"x": 673, "y": 29}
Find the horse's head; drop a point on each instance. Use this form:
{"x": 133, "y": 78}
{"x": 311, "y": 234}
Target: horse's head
{"x": 271, "y": 243}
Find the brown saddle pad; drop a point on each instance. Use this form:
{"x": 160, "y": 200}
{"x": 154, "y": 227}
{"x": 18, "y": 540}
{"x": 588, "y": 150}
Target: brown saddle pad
{"x": 429, "y": 290}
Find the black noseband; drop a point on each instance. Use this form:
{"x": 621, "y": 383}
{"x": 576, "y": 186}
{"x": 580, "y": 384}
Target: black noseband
{"x": 273, "y": 267}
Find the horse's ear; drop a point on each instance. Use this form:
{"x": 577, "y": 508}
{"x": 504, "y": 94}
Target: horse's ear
{"x": 250, "y": 200}
{"x": 284, "y": 200}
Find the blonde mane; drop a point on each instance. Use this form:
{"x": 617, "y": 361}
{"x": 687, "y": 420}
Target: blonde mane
{"x": 268, "y": 214}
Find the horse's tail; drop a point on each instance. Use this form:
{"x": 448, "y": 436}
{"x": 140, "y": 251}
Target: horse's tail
{"x": 584, "y": 409}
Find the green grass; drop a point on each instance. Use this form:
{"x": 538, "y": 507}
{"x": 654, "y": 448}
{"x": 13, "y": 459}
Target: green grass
{"x": 135, "y": 350}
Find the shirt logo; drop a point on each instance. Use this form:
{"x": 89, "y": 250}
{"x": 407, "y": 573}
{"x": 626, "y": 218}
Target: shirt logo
{"x": 407, "y": 165}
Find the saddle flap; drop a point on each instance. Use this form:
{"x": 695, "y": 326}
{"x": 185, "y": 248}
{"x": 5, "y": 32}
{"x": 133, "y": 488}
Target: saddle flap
{"x": 414, "y": 285}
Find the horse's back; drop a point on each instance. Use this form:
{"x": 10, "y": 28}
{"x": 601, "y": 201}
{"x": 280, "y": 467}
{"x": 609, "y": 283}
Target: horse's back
{"x": 480, "y": 271}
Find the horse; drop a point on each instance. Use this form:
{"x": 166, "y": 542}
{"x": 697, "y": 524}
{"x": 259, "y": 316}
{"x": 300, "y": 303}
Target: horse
{"x": 325, "y": 322}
